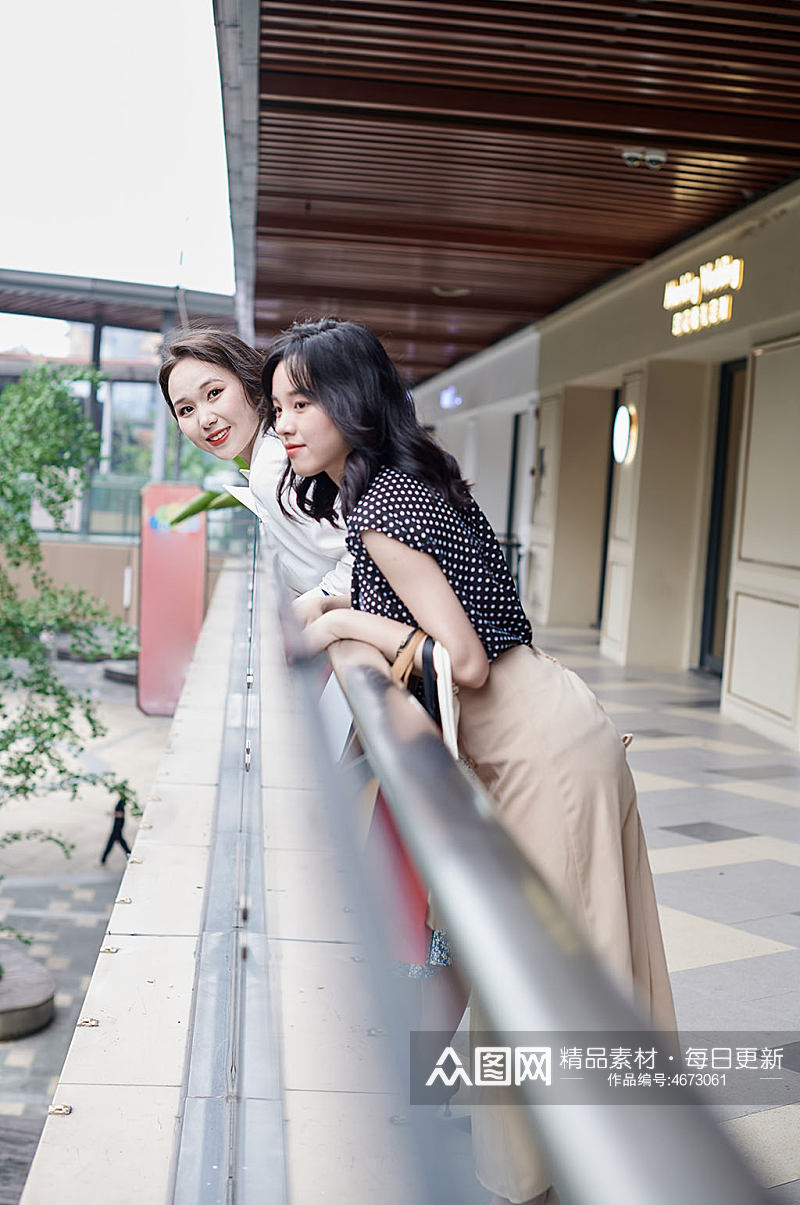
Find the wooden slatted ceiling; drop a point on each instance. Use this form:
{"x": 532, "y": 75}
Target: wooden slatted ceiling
{"x": 408, "y": 146}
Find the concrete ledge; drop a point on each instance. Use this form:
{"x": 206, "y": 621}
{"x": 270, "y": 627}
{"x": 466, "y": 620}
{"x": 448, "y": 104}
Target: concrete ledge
{"x": 113, "y": 1146}
{"x": 120, "y": 1087}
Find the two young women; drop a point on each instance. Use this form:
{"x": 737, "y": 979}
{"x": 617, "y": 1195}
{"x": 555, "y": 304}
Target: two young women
{"x": 425, "y": 556}
{"x": 211, "y": 382}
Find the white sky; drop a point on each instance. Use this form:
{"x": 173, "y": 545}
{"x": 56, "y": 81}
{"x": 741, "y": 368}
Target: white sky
{"x": 113, "y": 153}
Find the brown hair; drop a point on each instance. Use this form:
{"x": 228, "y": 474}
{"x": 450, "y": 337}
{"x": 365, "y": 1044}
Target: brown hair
{"x": 218, "y": 347}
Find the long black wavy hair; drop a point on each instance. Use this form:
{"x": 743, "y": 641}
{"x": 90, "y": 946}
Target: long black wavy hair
{"x": 344, "y": 368}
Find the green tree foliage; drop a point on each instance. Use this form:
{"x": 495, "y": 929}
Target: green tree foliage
{"x": 48, "y": 448}
{"x": 128, "y": 454}
{"x": 194, "y": 464}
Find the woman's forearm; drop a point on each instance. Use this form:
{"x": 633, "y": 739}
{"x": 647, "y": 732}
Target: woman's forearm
{"x": 335, "y": 602}
{"x": 387, "y": 635}
{"x": 384, "y": 634}
{"x": 310, "y": 606}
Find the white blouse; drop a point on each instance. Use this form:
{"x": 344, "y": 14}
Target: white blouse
{"x": 313, "y": 556}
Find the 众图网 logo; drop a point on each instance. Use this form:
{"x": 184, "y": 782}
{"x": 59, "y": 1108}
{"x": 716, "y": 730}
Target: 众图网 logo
{"x": 494, "y": 1066}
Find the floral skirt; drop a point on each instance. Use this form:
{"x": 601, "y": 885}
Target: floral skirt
{"x": 439, "y": 955}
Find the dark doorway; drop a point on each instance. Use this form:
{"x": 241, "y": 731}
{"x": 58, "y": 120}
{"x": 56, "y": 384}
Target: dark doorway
{"x": 601, "y": 594}
{"x": 723, "y": 502}
{"x": 509, "y": 540}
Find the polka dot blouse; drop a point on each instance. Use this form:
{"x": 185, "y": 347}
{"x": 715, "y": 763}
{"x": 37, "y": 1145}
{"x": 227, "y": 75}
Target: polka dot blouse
{"x": 462, "y": 543}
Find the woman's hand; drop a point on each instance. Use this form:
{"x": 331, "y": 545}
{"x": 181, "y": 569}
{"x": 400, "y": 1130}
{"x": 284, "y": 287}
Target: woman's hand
{"x": 344, "y": 623}
{"x": 418, "y": 580}
{"x": 309, "y": 607}
{"x": 323, "y": 631}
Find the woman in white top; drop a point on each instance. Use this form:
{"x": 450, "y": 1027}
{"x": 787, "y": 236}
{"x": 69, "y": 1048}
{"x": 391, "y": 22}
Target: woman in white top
{"x": 211, "y": 381}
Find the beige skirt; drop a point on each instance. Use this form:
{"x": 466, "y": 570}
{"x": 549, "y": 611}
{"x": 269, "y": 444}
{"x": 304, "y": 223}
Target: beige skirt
{"x": 555, "y": 767}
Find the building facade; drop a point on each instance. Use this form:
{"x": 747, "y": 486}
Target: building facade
{"x": 685, "y": 550}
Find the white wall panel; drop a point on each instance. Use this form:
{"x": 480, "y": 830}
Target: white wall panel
{"x": 578, "y": 547}
{"x": 671, "y": 499}
{"x": 623, "y": 504}
{"x": 770, "y": 531}
{"x": 761, "y": 682}
{"x": 766, "y": 654}
{"x": 615, "y": 609}
{"x": 494, "y": 465}
{"x": 540, "y": 578}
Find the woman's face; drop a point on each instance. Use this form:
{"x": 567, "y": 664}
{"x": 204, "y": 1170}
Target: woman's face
{"x": 213, "y": 409}
{"x": 313, "y": 442}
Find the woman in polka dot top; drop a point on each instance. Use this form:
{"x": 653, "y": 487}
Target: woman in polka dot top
{"x": 425, "y": 556}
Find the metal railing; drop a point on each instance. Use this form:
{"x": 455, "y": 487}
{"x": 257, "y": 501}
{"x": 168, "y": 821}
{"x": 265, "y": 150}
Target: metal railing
{"x": 528, "y": 965}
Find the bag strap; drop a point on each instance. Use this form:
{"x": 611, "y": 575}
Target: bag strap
{"x": 429, "y": 684}
{"x": 445, "y": 691}
{"x": 404, "y": 661}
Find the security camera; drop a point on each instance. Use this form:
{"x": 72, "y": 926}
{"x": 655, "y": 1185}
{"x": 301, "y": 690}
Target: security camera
{"x": 632, "y": 155}
{"x": 655, "y": 158}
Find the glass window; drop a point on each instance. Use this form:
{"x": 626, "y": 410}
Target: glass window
{"x": 119, "y": 345}
{"x": 132, "y": 406}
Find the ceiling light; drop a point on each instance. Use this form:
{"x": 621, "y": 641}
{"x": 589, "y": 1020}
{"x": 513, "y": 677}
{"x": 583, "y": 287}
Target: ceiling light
{"x": 653, "y": 156}
{"x": 632, "y": 155}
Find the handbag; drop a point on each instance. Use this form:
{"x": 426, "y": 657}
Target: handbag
{"x": 439, "y": 691}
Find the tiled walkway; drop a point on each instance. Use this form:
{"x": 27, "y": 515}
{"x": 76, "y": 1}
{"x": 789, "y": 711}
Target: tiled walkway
{"x": 721, "y": 811}
{"x": 64, "y": 906}
{"x": 66, "y": 917}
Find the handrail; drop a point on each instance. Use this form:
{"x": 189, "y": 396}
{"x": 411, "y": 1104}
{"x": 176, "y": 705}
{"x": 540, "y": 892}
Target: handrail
{"x": 528, "y": 965}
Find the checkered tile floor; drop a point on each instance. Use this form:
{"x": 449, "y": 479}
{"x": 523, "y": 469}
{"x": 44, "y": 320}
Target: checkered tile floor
{"x": 721, "y": 811}
{"x": 66, "y": 918}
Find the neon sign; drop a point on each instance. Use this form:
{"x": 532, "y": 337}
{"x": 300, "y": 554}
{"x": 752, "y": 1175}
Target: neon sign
{"x": 449, "y": 399}
{"x": 704, "y": 298}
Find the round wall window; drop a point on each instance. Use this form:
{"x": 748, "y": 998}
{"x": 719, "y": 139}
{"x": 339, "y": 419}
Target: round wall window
{"x": 626, "y": 429}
